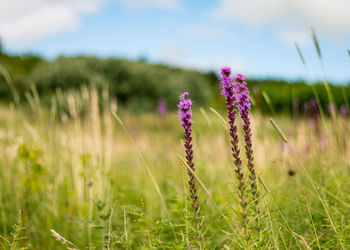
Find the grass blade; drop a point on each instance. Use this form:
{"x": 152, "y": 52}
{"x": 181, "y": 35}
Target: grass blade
{"x": 316, "y": 43}
{"x": 278, "y": 130}
{"x": 268, "y": 101}
{"x": 300, "y": 53}
{"x": 224, "y": 123}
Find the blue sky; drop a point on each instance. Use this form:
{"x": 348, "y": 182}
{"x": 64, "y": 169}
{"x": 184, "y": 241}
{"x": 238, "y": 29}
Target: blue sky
{"x": 255, "y": 37}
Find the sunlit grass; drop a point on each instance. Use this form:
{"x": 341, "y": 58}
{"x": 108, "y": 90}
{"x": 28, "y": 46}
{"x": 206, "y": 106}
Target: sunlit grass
{"x": 74, "y": 169}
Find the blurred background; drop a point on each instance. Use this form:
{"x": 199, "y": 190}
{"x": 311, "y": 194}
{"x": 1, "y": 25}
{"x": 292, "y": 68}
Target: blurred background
{"x": 91, "y": 145}
{"x": 147, "y": 52}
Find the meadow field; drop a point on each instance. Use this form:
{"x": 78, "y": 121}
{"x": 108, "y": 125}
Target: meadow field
{"x": 81, "y": 173}
{"x": 172, "y": 124}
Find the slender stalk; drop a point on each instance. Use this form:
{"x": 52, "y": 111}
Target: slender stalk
{"x": 228, "y": 90}
{"x": 244, "y": 111}
{"x": 185, "y": 114}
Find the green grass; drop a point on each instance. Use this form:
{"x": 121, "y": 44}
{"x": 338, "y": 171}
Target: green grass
{"x": 103, "y": 183}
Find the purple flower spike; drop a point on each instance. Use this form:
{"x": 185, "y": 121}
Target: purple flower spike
{"x": 162, "y": 107}
{"x": 185, "y": 114}
{"x": 244, "y": 111}
{"x": 228, "y": 90}
{"x": 344, "y": 111}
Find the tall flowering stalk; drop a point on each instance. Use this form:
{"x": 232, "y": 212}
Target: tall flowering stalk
{"x": 228, "y": 90}
{"x": 185, "y": 113}
{"x": 244, "y": 111}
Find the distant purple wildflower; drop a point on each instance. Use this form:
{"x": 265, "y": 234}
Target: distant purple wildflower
{"x": 185, "y": 114}
{"x": 162, "y": 108}
{"x": 244, "y": 111}
{"x": 228, "y": 90}
{"x": 344, "y": 111}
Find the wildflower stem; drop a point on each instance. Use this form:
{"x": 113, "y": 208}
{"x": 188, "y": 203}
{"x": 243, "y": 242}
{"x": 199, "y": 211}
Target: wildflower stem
{"x": 185, "y": 113}
{"x": 229, "y": 92}
{"x": 244, "y": 111}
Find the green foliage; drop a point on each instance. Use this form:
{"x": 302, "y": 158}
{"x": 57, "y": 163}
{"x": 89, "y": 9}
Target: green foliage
{"x": 14, "y": 241}
{"x": 19, "y": 69}
{"x": 283, "y": 94}
{"x": 138, "y": 85}
{"x": 35, "y": 171}
{"x": 61, "y": 73}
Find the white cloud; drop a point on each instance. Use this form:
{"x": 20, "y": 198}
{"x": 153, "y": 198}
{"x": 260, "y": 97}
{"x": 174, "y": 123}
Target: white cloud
{"x": 174, "y": 53}
{"x": 205, "y": 30}
{"x": 163, "y": 4}
{"x": 301, "y": 36}
{"x": 178, "y": 54}
{"x": 22, "y": 21}
{"x": 292, "y": 17}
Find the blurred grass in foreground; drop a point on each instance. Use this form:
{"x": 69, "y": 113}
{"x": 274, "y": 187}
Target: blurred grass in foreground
{"x": 73, "y": 169}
